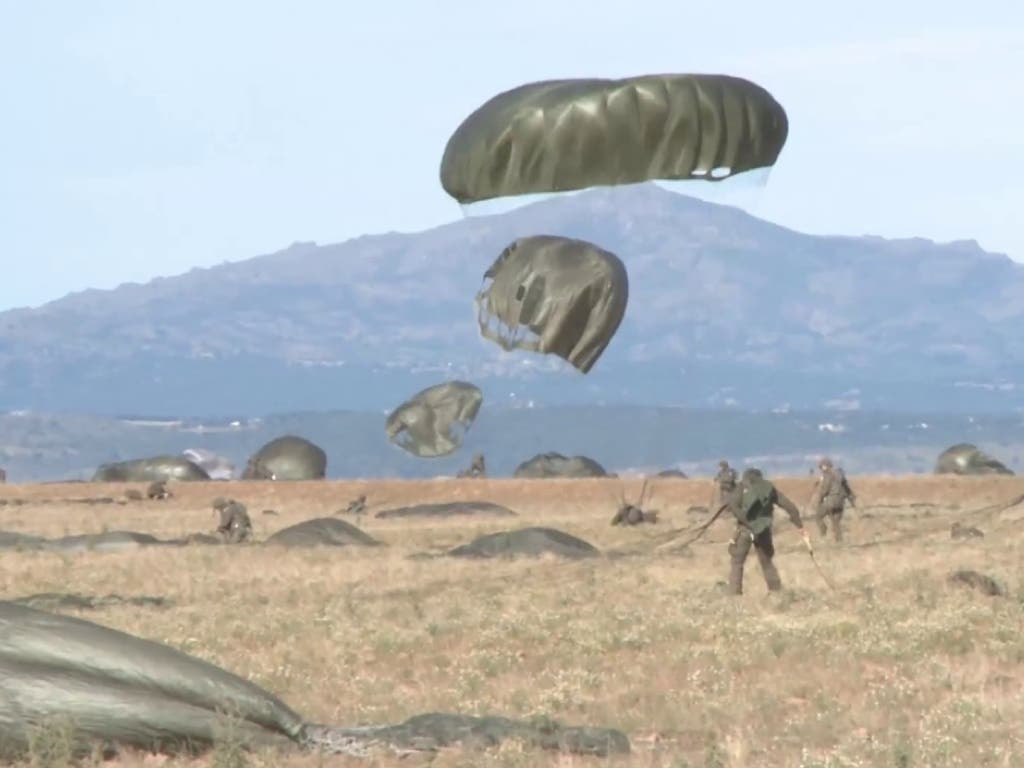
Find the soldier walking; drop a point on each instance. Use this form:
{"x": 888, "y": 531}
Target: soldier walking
{"x": 724, "y": 485}
{"x": 752, "y": 503}
{"x": 831, "y": 491}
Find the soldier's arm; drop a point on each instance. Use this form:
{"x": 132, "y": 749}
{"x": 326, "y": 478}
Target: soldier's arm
{"x": 849, "y": 493}
{"x": 815, "y": 490}
{"x": 791, "y": 509}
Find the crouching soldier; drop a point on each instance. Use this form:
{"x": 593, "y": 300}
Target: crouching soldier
{"x": 235, "y": 525}
{"x": 753, "y": 503}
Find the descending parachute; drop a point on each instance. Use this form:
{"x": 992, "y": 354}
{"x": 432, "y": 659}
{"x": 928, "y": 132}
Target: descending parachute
{"x": 570, "y": 294}
{"x": 423, "y": 425}
{"x": 562, "y": 135}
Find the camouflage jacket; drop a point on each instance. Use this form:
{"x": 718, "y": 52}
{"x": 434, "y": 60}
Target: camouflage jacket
{"x": 753, "y": 506}
{"x": 726, "y": 479}
{"x": 832, "y": 490}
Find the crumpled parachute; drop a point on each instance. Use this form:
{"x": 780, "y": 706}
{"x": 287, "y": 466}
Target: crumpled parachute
{"x": 432, "y": 422}
{"x": 569, "y": 294}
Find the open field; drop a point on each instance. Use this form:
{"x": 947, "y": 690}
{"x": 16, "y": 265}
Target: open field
{"x": 895, "y": 668}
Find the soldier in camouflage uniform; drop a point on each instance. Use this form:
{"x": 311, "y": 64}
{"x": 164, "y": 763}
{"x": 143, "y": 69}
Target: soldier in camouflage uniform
{"x": 235, "y": 525}
{"x": 478, "y": 468}
{"x": 725, "y": 484}
{"x": 158, "y": 490}
{"x": 752, "y": 502}
{"x": 831, "y": 490}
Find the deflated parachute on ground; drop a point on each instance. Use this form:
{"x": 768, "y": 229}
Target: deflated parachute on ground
{"x": 561, "y": 135}
{"x": 217, "y": 467}
{"x": 150, "y": 470}
{"x": 121, "y": 688}
{"x": 430, "y": 423}
{"x": 570, "y": 294}
{"x": 968, "y": 459}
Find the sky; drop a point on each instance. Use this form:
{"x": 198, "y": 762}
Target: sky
{"x": 142, "y": 139}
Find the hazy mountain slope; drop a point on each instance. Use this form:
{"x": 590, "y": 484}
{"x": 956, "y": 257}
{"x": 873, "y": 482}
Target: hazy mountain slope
{"x": 723, "y": 308}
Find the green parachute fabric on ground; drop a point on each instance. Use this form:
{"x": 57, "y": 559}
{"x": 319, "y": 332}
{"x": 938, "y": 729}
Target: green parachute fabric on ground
{"x": 562, "y": 135}
{"x": 968, "y": 459}
{"x": 150, "y": 470}
{"x": 120, "y": 688}
{"x": 570, "y": 294}
{"x": 423, "y": 425}
{"x": 287, "y": 458}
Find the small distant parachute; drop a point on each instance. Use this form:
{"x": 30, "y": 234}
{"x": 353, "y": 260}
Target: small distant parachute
{"x": 570, "y": 294}
{"x": 432, "y": 422}
{"x": 153, "y": 469}
{"x": 562, "y": 135}
{"x": 968, "y": 459}
{"x": 217, "y": 467}
{"x": 287, "y": 458}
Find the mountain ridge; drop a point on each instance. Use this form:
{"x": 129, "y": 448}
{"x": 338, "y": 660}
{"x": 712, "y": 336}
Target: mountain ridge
{"x": 725, "y": 308}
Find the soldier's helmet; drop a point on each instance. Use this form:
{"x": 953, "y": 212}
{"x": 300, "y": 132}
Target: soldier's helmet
{"x": 723, "y": 464}
{"x": 751, "y": 475}
{"x": 825, "y": 463}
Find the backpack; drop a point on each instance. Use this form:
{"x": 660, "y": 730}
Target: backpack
{"x": 756, "y": 505}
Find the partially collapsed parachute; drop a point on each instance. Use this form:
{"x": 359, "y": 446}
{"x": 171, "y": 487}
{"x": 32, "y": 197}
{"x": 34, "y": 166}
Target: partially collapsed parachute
{"x": 570, "y": 294}
{"x": 217, "y": 467}
{"x": 553, "y": 464}
{"x": 561, "y": 135}
{"x": 149, "y": 470}
{"x": 968, "y": 459}
{"x": 121, "y": 688}
{"x": 431, "y": 422}
{"x": 287, "y": 458}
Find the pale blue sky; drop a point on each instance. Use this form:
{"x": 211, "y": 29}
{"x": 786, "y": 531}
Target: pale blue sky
{"x": 142, "y": 138}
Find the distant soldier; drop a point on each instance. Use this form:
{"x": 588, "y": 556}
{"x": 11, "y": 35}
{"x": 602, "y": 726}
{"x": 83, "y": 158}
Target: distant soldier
{"x": 235, "y": 525}
{"x": 357, "y": 506}
{"x": 158, "y": 490}
{"x": 476, "y": 469}
{"x": 831, "y": 491}
{"x": 753, "y": 502}
{"x": 3, "y": 475}
{"x": 725, "y": 484}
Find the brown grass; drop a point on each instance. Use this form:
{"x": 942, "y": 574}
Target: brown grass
{"x": 896, "y": 668}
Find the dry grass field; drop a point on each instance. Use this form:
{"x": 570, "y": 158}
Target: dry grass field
{"x": 895, "y": 667}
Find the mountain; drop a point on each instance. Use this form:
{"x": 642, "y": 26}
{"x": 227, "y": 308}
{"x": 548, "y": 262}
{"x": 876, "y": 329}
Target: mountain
{"x": 725, "y": 310}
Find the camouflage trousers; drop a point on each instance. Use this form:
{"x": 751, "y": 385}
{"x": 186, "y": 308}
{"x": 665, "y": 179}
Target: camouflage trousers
{"x": 833, "y": 515}
{"x": 739, "y": 548}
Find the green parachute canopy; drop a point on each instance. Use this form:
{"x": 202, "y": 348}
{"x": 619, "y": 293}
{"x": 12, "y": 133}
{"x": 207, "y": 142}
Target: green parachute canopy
{"x": 569, "y": 294}
{"x": 432, "y": 422}
{"x": 562, "y": 135}
{"x": 287, "y": 458}
{"x": 150, "y": 469}
{"x": 968, "y": 459}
